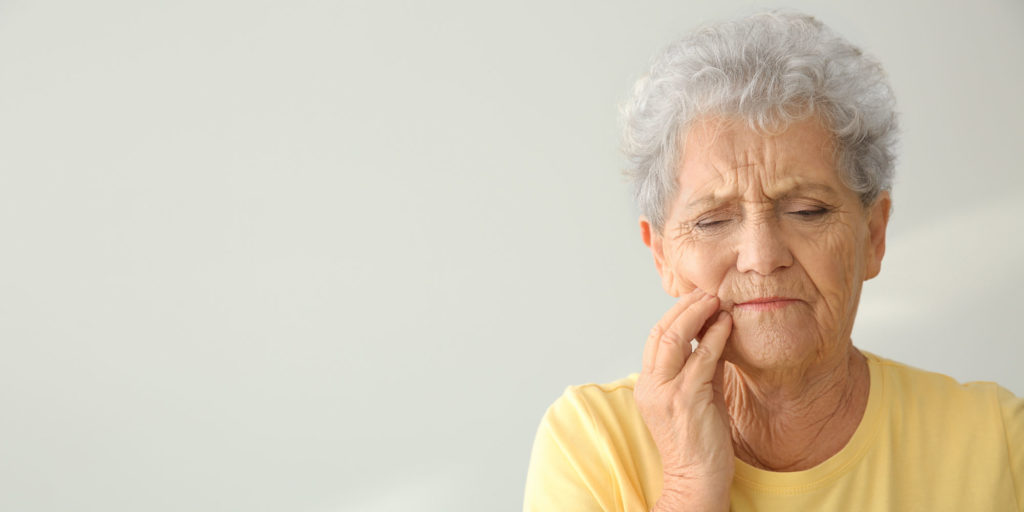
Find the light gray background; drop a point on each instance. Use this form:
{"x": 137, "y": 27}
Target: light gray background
{"x": 318, "y": 256}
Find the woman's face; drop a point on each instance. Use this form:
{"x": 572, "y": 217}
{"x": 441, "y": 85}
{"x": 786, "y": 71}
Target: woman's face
{"x": 765, "y": 223}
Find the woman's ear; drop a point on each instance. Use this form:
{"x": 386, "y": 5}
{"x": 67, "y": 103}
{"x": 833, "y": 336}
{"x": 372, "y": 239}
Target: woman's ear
{"x": 878, "y": 220}
{"x": 654, "y": 242}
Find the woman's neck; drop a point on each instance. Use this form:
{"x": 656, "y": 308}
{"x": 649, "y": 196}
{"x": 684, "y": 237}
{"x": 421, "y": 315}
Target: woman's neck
{"x": 796, "y": 419}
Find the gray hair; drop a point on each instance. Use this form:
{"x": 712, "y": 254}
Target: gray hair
{"x": 769, "y": 69}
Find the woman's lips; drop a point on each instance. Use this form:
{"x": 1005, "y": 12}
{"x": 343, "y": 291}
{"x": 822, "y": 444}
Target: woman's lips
{"x": 765, "y": 304}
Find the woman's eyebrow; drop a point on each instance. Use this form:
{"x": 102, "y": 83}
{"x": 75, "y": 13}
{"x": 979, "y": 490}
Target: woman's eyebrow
{"x": 800, "y": 188}
{"x": 708, "y": 200}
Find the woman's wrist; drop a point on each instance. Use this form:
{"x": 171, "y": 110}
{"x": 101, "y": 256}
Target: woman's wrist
{"x": 693, "y": 495}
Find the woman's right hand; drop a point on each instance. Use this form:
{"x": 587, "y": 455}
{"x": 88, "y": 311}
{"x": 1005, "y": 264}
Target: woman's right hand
{"x": 679, "y": 396}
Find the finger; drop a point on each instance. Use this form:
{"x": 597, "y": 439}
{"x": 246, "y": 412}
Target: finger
{"x": 704, "y": 328}
{"x": 651, "y": 346}
{"x": 702, "y": 365}
{"x": 718, "y": 380}
{"x": 674, "y": 344}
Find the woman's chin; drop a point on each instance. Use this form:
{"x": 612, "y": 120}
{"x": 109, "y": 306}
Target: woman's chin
{"x": 770, "y": 346}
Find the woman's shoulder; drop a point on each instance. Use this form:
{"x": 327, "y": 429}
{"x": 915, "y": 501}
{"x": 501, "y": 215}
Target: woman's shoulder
{"x": 969, "y": 428}
{"x": 902, "y": 377}
{"x": 606, "y": 414}
{"x": 600, "y": 391}
{"x": 913, "y": 392}
{"x": 596, "y": 403}
{"x": 593, "y": 451}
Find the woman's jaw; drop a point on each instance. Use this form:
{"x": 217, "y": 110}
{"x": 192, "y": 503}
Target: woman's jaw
{"x": 782, "y": 334}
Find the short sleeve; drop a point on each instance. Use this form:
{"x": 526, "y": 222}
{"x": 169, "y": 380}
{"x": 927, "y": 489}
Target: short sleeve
{"x": 1012, "y": 409}
{"x": 566, "y": 472}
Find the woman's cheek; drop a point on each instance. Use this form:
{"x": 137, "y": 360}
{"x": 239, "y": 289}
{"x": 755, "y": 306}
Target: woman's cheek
{"x": 703, "y": 266}
{"x": 833, "y": 268}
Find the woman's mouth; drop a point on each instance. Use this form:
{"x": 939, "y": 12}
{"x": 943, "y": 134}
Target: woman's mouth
{"x": 764, "y": 304}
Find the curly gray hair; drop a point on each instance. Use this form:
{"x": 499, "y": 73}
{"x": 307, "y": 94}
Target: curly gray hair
{"x": 769, "y": 69}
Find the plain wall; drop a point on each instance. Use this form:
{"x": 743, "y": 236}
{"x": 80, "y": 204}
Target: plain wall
{"x": 317, "y": 256}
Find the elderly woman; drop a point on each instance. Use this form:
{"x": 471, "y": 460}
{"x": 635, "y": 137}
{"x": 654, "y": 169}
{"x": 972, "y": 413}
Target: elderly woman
{"x": 763, "y": 159}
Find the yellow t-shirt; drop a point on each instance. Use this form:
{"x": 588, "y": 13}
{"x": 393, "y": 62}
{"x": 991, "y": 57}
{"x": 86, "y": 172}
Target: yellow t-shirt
{"x": 925, "y": 443}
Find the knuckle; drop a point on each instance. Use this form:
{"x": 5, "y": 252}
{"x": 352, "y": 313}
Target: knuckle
{"x": 671, "y": 338}
{"x": 703, "y": 352}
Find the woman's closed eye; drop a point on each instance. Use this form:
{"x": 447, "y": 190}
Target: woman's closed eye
{"x": 710, "y": 224}
{"x": 713, "y": 223}
{"x": 809, "y": 213}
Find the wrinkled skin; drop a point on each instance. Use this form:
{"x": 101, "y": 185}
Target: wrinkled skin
{"x": 758, "y": 216}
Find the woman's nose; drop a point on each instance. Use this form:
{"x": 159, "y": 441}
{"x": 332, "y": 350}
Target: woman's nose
{"x": 762, "y": 248}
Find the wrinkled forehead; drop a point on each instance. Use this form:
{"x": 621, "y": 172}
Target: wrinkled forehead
{"x": 723, "y": 157}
